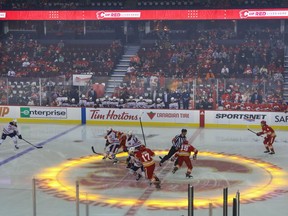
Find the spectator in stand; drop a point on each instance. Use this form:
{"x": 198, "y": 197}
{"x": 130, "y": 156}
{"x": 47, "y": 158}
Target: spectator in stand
{"x": 11, "y": 73}
{"x": 248, "y": 70}
{"x": 256, "y": 98}
{"x": 210, "y": 75}
{"x": 130, "y": 69}
{"x": 225, "y": 72}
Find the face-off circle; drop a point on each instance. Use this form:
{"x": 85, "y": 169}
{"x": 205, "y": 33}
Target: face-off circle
{"x": 102, "y": 183}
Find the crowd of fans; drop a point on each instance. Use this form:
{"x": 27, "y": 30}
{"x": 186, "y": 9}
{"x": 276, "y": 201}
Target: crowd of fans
{"x": 213, "y": 68}
{"x": 215, "y": 74}
{"x": 23, "y": 59}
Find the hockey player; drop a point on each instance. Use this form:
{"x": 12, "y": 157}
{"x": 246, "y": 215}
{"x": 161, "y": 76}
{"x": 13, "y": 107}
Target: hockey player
{"x": 98, "y": 103}
{"x": 184, "y": 156}
{"x": 145, "y": 155}
{"x": 173, "y": 104}
{"x": 83, "y": 101}
{"x": 114, "y": 102}
{"x": 159, "y": 104}
{"x": 121, "y": 104}
{"x": 269, "y": 139}
{"x": 90, "y": 102}
{"x": 131, "y": 103}
{"x": 11, "y": 130}
{"x": 106, "y": 102}
{"x": 112, "y": 145}
{"x": 150, "y": 104}
{"x": 141, "y": 103}
{"x": 122, "y": 140}
{"x": 132, "y": 141}
{"x": 134, "y": 164}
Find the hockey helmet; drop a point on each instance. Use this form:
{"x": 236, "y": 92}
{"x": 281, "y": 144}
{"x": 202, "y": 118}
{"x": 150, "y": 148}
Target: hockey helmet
{"x": 263, "y": 122}
{"x": 172, "y": 99}
{"x": 109, "y": 129}
{"x": 131, "y": 150}
{"x": 129, "y": 133}
{"x": 158, "y": 99}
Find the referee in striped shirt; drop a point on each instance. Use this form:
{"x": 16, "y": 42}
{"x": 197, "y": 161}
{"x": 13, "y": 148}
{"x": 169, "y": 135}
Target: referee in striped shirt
{"x": 176, "y": 144}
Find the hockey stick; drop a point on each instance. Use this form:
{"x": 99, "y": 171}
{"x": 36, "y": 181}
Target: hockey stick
{"x": 251, "y": 131}
{"x": 38, "y": 147}
{"x": 142, "y": 129}
{"x": 93, "y": 150}
{"x": 97, "y": 153}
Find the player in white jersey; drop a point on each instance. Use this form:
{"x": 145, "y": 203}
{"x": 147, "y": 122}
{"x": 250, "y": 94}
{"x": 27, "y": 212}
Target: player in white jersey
{"x": 132, "y": 141}
{"x": 90, "y": 102}
{"x": 150, "y": 104}
{"x": 141, "y": 103}
{"x": 173, "y": 104}
{"x": 134, "y": 164}
{"x": 83, "y": 101}
{"x": 106, "y": 102}
{"x": 159, "y": 104}
{"x": 11, "y": 130}
{"x": 114, "y": 103}
{"x": 112, "y": 145}
{"x": 131, "y": 103}
{"x": 98, "y": 103}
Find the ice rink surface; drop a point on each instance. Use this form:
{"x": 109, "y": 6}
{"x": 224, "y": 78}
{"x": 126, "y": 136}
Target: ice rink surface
{"x": 227, "y": 158}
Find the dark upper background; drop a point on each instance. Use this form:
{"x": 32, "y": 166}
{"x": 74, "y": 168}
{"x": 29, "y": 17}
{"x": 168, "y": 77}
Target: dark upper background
{"x": 138, "y": 4}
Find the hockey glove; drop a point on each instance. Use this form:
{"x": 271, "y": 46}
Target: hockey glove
{"x": 194, "y": 156}
{"x": 19, "y": 136}
{"x": 259, "y": 134}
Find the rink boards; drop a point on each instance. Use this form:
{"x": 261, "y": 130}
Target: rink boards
{"x": 147, "y": 117}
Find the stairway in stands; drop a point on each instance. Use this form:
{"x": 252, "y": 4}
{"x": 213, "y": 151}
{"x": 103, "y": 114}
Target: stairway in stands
{"x": 285, "y": 84}
{"x": 120, "y": 70}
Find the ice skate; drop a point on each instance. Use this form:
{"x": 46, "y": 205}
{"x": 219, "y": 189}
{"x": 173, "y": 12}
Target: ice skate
{"x": 139, "y": 176}
{"x": 174, "y": 170}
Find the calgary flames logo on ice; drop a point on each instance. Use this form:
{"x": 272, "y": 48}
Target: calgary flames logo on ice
{"x": 212, "y": 172}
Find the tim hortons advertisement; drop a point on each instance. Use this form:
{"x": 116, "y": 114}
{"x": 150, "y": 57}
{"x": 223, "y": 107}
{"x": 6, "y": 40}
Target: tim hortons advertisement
{"x": 146, "y": 115}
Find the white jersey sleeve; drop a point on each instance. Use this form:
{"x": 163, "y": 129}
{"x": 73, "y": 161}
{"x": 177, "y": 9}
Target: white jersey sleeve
{"x": 112, "y": 137}
{"x": 174, "y": 105}
{"x": 136, "y": 162}
{"x": 133, "y": 141}
{"x": 9, "y": 129}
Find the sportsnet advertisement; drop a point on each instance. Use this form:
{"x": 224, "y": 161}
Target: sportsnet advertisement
{"x": 238, "y": 118}
{"x": 147, "y": 116}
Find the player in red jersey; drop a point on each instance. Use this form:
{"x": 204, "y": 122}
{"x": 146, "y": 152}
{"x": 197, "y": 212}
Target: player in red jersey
{"x": 269, "y": 139}
{"x": 145, "y": 156}
{"x": 122, "y": 139}
{"x": 184, "y": 156}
